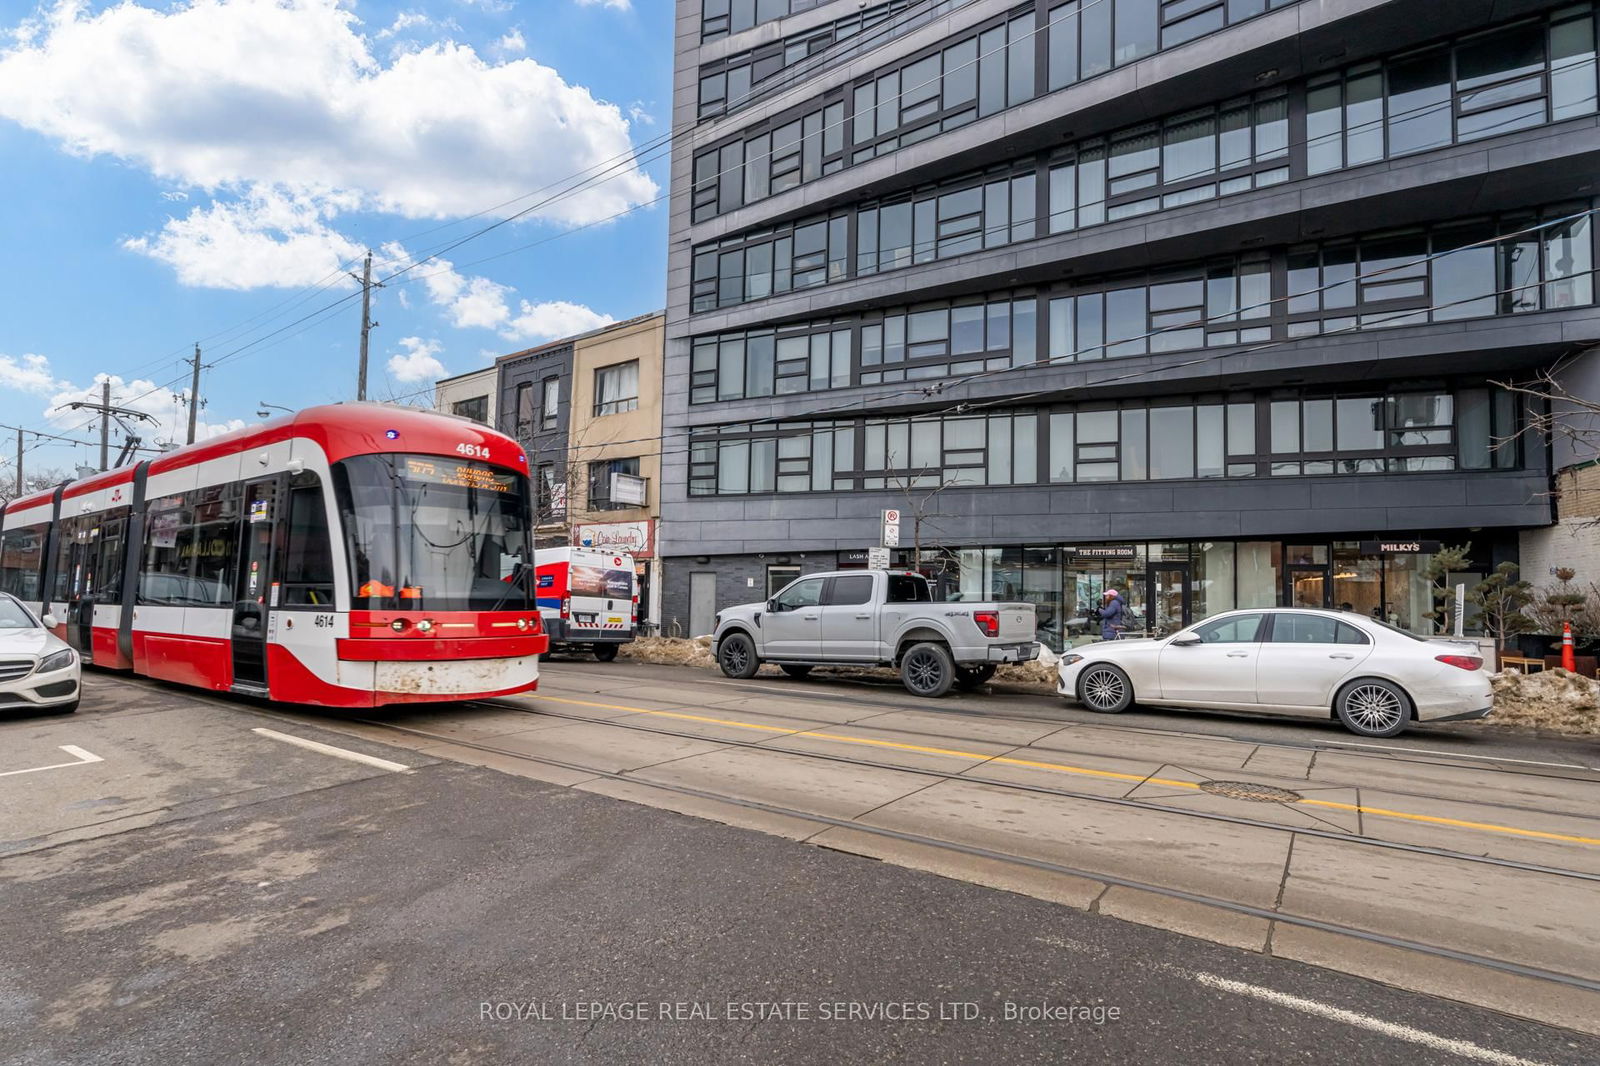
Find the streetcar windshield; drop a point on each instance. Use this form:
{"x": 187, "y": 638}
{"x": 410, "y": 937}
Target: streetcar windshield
{"x": 426, "y": 532}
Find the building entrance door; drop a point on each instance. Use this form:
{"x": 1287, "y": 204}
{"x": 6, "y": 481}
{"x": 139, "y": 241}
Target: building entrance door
{"x": 1307, "y": 585}
{"x": 1167, "y": 600}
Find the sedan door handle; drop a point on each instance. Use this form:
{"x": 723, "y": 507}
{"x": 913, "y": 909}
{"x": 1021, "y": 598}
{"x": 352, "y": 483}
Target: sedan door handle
{"x": 810, "y": 617}
{"x": 1238, "y": 655}
{"x": 1340, "y": 655}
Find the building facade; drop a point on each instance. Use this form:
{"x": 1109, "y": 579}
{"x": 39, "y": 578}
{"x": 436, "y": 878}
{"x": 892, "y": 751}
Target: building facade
{"x": 475, "y": 395}
{"x": 614, "y": 446}
{"x": 1207, "y": 300}
{"x": 588, "y": 409}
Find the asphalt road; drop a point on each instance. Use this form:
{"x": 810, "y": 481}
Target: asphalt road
{"x": 257, "y": 903}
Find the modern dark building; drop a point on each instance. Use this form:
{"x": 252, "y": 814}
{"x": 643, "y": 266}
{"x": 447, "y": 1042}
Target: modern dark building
{"x": 1205, "y": 299}
{"x": 534, "y": 386}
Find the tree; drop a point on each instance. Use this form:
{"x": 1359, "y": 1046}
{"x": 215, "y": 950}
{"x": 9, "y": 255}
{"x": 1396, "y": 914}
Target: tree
{"x": 1560, "y": 415}
{"x": 35, "y": 481}
{"x": 921, "y": 490}
{"x": 1564, "y": 603}
{"x": 1445, "y": 562}
{"x": 1500, "y": 599}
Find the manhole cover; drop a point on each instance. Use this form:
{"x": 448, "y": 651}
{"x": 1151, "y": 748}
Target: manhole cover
{"x": 1249, "y": 790}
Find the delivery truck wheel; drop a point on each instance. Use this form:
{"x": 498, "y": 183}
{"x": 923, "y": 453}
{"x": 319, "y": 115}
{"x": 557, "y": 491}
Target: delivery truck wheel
{"x": 605, "y": 652}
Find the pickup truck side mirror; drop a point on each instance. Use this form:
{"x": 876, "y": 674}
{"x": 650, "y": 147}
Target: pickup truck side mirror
{"x": 773, "y": 606}
{"x": 1185, "y": 640}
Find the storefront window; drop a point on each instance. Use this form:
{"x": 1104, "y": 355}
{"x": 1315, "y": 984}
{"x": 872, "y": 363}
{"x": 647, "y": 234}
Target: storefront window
{"x": 1041, "y": 586}
{"x": 1258, "y": 574}
{"x": 1357, "y": 579}
{"x": 1211, "y": 590}
{"x": 1407, "y": 597}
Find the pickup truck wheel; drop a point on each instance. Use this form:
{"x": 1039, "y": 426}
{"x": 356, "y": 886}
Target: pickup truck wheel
{"x": 1105, "y": 688}
{"x": 737, "y": 656}
{"x": 970, "y": 677}
{"x": 927, "y": 670}
{"x": 798, "y": 671}
{"x": 605, "y": 652}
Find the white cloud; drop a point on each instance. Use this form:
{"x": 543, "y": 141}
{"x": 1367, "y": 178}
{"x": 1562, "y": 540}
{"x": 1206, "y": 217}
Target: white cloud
{"x": 552, "y": 319}
{"x": 31, "y": 373}
{"x": 227, "y": 94}
{"x": 406, "y": 20}
{"x": 615, "y": 5}
{"x": 639, "y": 116}
{"x": 512, "y": 43}
{"x": 417, "y": 362}
{"x": 159, "y": 402}
{"x": 269, "y": 238}
{"x": 471, "y": 302}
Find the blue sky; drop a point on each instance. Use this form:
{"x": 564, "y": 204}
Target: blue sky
{"x": 201, "y": 171}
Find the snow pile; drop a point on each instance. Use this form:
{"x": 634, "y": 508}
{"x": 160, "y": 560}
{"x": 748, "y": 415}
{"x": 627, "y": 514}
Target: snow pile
{"x": 1552, "y": 699}
{"x": 670, "y": 651}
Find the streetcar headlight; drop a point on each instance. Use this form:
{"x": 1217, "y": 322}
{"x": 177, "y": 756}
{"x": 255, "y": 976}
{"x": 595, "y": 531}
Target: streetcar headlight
{"x": 425, "y": 626}
{"x": 58, "y": 661}
{"x": 522, "y": 624}
{"x": 398, "y": 625}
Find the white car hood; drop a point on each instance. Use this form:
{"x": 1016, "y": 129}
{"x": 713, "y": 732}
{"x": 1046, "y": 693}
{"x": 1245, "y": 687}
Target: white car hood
{"x": 30, "y": 641}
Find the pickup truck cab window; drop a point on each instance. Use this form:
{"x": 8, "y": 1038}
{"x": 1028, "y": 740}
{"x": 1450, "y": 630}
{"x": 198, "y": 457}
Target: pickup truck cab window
{"x": 850, "y": 591}
{"x": 903, "y": 588}
{"x": 806, "y": 593}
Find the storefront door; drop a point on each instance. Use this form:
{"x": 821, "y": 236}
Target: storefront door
{"x": 1167, "y": 600}
{"x": 1306, "y": 585}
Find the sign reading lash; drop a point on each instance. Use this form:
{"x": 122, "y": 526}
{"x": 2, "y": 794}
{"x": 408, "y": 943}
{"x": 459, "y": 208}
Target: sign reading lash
{"x": 457, "y": 475}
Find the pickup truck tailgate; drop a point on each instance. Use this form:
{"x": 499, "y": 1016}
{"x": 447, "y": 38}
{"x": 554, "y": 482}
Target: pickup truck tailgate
{"x": 1016, "y": 622}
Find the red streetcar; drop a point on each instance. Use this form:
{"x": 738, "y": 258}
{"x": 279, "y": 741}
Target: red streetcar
{"x": 348, "y": 556}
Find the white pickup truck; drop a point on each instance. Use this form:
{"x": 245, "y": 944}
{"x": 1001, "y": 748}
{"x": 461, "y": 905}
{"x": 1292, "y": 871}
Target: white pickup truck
{"x": 874, "y": 618}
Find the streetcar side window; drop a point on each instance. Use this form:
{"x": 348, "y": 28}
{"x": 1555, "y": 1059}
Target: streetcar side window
{"x": 66, "y": 537}
{"x": 164, "y": 571}
{"x": 308, "y": 550}
{"x": 22, "y": 560}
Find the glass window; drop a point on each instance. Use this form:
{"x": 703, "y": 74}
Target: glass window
{"x": 1238, "y": 629}
{"x": 550, "y": 401}
{"x": 848, "y": 591}
{"x": 1135, "y": 447}
{"x": 1285, "y": 426}
{"x": 1419, "y": 103}
{"x": 1291, "y": 628}
{"x": 1172, "y": 431}
{"x": 616, "y": 388}
{"x": 807, "y": 592}
{"x": 306, "y": 548}
{"x": 904, "y": 588}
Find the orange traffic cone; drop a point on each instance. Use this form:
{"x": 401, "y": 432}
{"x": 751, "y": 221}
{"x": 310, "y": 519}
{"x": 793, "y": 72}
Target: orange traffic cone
{"x": 1569, "y": 660}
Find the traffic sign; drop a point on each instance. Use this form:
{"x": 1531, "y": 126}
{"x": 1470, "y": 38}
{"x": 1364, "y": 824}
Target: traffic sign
{"x": 891, "y": 528}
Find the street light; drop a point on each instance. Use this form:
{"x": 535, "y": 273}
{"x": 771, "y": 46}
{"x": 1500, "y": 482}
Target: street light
{"x": 266, "y": 407}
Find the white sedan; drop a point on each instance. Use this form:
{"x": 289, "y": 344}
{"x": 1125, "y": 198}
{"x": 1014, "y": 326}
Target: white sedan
{"x": 37, "y": 668}
{"x": 1374, "y": 678}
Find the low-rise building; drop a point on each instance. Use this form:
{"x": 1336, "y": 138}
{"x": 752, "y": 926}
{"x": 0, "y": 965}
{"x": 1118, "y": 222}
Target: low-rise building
{"x": 473, "y": 395}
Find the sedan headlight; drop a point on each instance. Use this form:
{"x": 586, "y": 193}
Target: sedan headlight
{"x": 1070, "y": 660}
{"x": 57, "y": 661}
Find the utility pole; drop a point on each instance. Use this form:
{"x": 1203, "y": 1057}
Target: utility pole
{"x": 19, "y": 462}
{"x": 107, "y": 411}
{"x": 194, "y": 392}
{"x": 367, "y": 325}
{"x": 105, "y": 421}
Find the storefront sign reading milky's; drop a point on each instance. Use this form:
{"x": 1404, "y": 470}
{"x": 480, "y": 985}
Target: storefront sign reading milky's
{"x": 1399, "y": 547}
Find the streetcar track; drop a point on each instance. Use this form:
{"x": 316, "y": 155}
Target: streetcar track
{"x": 866, "y": 723}
{"x": 1396, "y": 751}
{"x": 1119, "y": 801}
{"x": 1487, "y": 962}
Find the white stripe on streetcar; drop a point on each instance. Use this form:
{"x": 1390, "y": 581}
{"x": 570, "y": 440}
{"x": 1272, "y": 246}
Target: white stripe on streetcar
{"x": 338, "y": 753}
{"x": 76, "y": 752}
{"x": 1425, "y": 1039}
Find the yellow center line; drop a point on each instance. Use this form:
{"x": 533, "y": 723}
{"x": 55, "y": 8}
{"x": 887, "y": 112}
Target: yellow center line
{"x": 1063, "y": 768}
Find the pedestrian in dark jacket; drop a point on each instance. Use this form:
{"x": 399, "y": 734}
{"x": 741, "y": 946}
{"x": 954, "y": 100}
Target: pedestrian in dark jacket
{"x": 1113, "y": 615}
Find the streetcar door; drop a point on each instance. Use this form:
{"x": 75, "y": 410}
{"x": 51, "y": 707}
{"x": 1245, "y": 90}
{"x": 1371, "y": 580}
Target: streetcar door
{"x": 81, "y": 559}
{"x": 250, "y": 606}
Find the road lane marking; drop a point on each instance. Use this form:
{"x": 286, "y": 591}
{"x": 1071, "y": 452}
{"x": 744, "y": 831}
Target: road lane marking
{"x": 338, "y": 753}
{"x": 82, "y": 758}
{"x": 1432, "y": 1041}
{"x": 1077, "y": 771}
{"x": 1403, "y": 748}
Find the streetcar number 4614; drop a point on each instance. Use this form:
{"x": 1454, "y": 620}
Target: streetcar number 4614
{"x": 477, "y": 451}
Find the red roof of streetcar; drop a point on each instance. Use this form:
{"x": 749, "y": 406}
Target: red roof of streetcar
{"x": 342, "y": 430}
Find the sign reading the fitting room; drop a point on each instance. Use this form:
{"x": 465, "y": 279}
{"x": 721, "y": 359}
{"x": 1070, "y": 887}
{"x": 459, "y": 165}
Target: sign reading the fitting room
{"x": 891, "y": 528}
{"x": 1399, "y": 547}
{"x": 1103, "y": 553}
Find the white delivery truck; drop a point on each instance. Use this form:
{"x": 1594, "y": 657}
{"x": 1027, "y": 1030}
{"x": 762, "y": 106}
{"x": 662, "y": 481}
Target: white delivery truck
{"x": 587, "y": 599}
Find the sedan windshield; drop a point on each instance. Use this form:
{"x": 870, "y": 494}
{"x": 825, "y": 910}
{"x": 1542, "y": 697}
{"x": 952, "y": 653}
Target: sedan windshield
{"x": 433, "y": 533}
{"x": 13, "y": 615}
